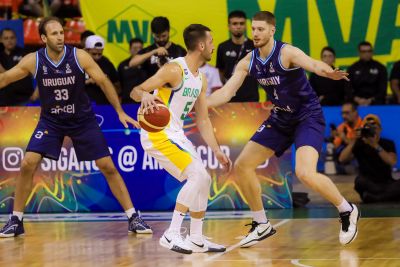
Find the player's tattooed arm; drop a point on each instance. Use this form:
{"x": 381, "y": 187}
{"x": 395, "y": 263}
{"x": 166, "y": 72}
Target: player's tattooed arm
{"x": 25, "y": 67}
{"x": 224, "y": 94}
{"x": 294, "y": 57}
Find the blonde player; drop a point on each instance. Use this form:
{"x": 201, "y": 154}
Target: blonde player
{"x": 181, "y": 87}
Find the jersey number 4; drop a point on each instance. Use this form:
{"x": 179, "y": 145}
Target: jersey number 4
{"x": 61, "y": 94}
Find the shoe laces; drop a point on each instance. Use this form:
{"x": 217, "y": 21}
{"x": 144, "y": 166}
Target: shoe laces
{"x": 138, "y": 220}
{"x": 345, "y": 220}
{"x": 8, "y": 224}
{"x": 253, "y": 224}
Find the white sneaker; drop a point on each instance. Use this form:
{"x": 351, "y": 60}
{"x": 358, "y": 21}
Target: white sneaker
{"x": 348, "y": 230}
{"x": 258, "y": 232}
{"x": 174, "y": 242}
{"x": 203, "y": 245}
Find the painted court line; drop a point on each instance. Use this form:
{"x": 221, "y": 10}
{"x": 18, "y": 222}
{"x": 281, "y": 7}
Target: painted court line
{"x": 238, "y": 244}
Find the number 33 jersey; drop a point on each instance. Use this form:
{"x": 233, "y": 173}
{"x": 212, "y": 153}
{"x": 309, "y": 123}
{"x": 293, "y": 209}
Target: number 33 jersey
{"x": 62, "y": 86}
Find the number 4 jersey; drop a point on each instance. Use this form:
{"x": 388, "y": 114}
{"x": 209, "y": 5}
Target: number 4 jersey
{"x": 62, "y": 86}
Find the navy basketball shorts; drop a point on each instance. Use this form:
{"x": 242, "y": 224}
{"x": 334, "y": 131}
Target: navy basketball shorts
{"x": 308, "y": 132}
{"x": 86, "y": 136}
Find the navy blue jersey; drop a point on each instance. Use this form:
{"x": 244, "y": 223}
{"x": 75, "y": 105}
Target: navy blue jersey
{"x": 62, "y": 87}
{"x": 288, "y": 89}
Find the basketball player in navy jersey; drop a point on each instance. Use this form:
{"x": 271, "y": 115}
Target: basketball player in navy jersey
{"x": 66, "y": 111}
{"x": 296, "y": 118}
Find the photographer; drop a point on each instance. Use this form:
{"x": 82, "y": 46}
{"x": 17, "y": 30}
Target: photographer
{"x": 376, "y": 156}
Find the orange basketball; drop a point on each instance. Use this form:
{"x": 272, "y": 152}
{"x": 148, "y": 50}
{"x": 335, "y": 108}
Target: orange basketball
{"x": 156, "y": 121}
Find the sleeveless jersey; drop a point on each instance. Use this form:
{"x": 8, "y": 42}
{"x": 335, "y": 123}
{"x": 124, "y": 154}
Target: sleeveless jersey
{"x": 62, "y": 86}
{"x": 181, "y": 100}
{"x": 288, "y": 89}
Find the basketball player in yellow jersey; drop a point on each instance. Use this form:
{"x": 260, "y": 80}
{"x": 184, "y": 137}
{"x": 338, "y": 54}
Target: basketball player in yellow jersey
{"x": 181, "y": 87}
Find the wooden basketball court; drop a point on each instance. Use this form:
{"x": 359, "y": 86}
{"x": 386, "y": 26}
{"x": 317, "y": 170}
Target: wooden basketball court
{"x": 102, "y": 240}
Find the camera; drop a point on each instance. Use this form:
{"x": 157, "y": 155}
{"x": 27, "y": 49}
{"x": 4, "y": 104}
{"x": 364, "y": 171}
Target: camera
{"x": 368, "y": 130}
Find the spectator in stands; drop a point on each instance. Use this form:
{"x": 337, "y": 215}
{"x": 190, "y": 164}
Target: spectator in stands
{"x": 17, "y": 93}
{"x": 346, "y": 131}
{"x": 65, "y": 8}
{"x": 368, "y": 78}
{"x": 85, "y": 35}
{"x": 31, "y": 8}
{"x": 330, "y": 92}
{"x": 94, "y": 46}
{"x": 213, "y": 78}
{"x": 376, "y": 157}
{"x": 395, "y": 83}
{"x": 163, "y": 50}
{"x": 230, "y": 52}
{"x": 130, "y": 77}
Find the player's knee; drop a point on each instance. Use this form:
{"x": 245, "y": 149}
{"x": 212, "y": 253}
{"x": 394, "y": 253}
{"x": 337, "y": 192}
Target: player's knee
{"x": 305, "y": 175}
{"x": 239, "y": 166}
{"x": 28, "y": 165}
{"x": 107, "y": 167}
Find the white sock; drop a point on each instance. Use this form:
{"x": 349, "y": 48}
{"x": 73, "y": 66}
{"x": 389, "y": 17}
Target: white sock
{"x": 176, "y": 222}
{"x": 259, "y": 216}
{"x": 196, "y": 229}
{"x": 18, "y": 214}
{"x": 130, "y": 212}
{"x": 344, "y": 206}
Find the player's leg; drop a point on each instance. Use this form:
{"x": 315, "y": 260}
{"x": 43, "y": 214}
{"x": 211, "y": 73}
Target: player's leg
{"x": 23, "y": 187}
{"x": 196, "y": 173}
{"x": 90, "y": 144}
{"x": 45, "y": 141}
{"x": 252, "y": 156}
{"x": 120, "y": 192}
{"x": 267, "y": 141}
{"x": 308, "y": 140}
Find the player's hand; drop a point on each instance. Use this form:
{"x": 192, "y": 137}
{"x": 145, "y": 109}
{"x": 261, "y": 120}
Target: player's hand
{"x": 149, "y": 103}
{"x": 337, "y": 74}
{"x": 161, "y": 51}
{"x": 125, "y": 119}
{"x": 224, "y": 160}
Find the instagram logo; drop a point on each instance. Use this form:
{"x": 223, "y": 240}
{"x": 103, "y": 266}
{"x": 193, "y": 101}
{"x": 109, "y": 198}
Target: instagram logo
{"x": 11, "y": 158}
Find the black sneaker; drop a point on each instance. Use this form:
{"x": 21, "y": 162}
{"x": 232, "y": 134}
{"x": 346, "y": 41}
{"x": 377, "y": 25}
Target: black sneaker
{"x": 137, "y": 225}
{"x": 14, "y": 227}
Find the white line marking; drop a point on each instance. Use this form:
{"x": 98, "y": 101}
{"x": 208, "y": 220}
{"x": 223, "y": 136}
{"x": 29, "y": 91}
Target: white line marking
{"x": 238, "y": 244}
{"x": 297, "y": 263}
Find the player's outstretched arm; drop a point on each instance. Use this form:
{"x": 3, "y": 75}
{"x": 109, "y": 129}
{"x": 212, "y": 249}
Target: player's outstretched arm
{"x": 206, "y": 129}
{"x": 25, "y": 67}
{"x": 94, "y": 71}
{"x": 168, "y": 75}
{"x": 294, "y": 57}
{"x": 224, "y": 94}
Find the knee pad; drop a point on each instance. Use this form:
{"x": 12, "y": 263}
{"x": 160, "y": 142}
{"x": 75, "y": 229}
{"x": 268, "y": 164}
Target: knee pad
{"x": 194, "y": 194}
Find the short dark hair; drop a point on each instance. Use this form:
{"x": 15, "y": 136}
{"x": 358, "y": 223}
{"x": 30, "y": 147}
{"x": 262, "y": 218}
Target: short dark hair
{"x": 159, "y": 25}
{"x": 193, "y": 34}
{"x": 266, "y": 16}
{"x": 45, "y": 21}
{"x": 330, "y": 49}
{"x": 237, "y": 14}
{"x": 7, "y": 29}
{"x": 353, "y": 104}
{"x": 86, "y": 34}
{"x": 135, "y": 40}
{"x": 364, "y": 43}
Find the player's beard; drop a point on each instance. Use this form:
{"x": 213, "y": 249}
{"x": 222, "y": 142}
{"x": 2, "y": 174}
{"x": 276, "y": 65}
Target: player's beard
{"x": 238, "y": 35}
{"x": 55, "y": 47}
{"x": 162, "y": 43}
{"x": 262, "y": 43}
